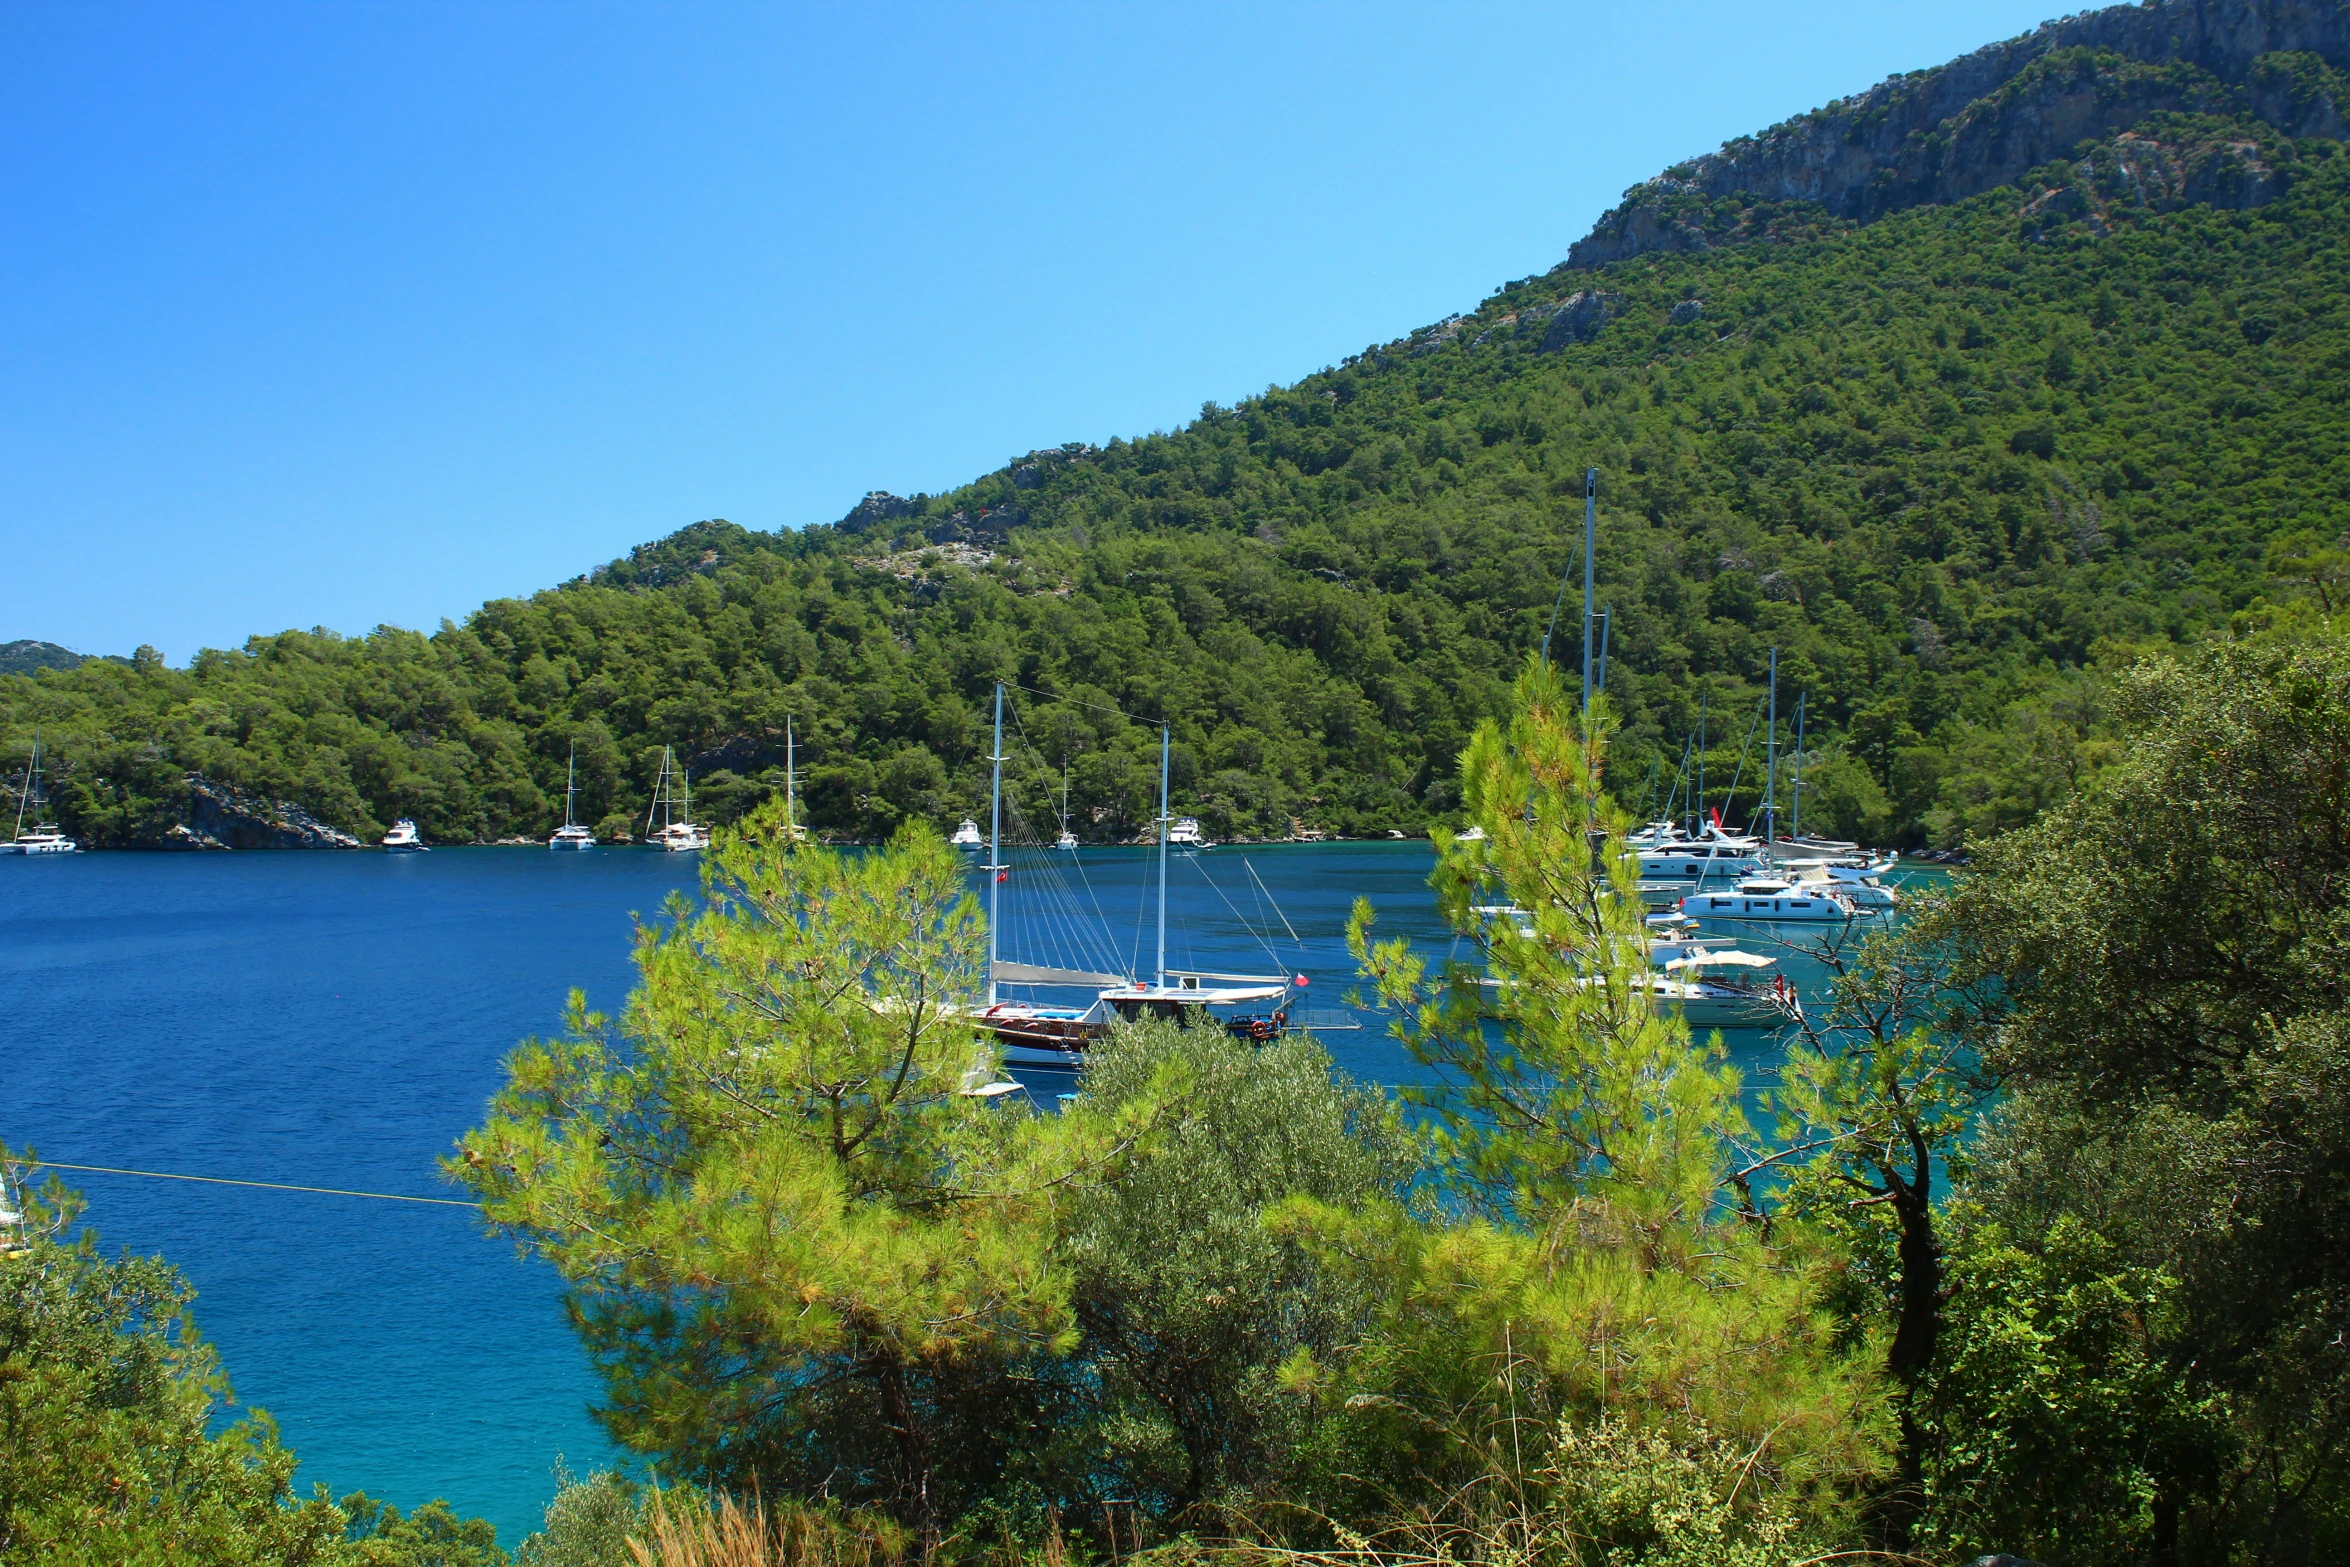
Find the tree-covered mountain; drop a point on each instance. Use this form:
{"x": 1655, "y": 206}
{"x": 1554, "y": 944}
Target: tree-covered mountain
{"x": 1950, "y": 445}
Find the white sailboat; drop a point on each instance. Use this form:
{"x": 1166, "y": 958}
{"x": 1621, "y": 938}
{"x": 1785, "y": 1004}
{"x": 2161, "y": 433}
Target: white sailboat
{"x": 677, "y": 833}
{"x": 43, "y": 837}
{"x": 1068, "y": 840}
{"x": 1037, "y": 1034}
{"x": 793, "y": 832}
{"x": 571, "y": 835}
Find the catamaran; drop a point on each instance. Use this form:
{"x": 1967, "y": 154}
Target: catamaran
{"x": 677, "y": 833}
{"x": 571, "y": 835}
{"x": 43, "y": 838}
{"x": 1040, "y": 1034}
{"x": 1771, "y": 899}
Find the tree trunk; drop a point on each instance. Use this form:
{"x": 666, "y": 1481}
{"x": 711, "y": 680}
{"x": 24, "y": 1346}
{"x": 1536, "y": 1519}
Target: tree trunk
{"x": 905, "y": 1427}
{"x": 1917, "y": 1327}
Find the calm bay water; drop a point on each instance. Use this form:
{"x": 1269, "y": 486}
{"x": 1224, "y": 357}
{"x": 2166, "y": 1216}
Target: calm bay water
{"x": 337, "y": 1019}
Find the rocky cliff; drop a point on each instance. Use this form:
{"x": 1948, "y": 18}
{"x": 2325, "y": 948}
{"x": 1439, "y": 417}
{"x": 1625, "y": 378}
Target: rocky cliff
{"x": 223, "y": 816}
{"x": 2162, "y": 70}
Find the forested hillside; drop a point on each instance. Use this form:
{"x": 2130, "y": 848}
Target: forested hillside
{"x": 1951, "y": 461}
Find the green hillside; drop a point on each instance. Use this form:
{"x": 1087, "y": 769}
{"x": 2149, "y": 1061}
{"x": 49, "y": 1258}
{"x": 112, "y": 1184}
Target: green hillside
{"x": 1949, "y": 462}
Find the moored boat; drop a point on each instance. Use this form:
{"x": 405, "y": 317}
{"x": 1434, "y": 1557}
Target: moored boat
{"x": 404, "y": 839}
{"x": 42, "y": 837}
{"x": 571, "y": 835}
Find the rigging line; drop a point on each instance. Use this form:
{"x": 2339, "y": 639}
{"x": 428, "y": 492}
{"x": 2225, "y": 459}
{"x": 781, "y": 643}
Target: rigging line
{"x": 275, "y": 1186}
{"x": 1276, "y": 905}
{"x": 1099, "y": 707}
{"x": 1745, "y": 748}
{"x": 1100, "y": 940}
{"x": 1278, "y": 960}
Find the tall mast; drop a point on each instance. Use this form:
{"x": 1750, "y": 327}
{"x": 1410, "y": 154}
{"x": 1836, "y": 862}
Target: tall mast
{"x": 685, "y": 781}
{"x": 1800, "y": 699}
{"x": 570, "y": 781}
{"x": 1701, "y": 696}
{"x": 1163, "y": 748}
{"x": 1590, "y": 529}
{"x": 32, "y": 780}
{"x": 1771, "y": 749}
{"x": 790, "y": 766}
{"x": 1606, "y": 619}
{"x": 995, "y": 828}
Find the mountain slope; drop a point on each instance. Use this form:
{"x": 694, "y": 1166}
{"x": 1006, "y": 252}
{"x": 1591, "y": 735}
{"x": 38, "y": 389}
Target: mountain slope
{"x": 1943, "y": 460}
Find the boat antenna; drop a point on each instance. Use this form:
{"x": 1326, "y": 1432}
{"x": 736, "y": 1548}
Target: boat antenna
{"x": 1797, "y": 782}
{"x": 1165, "y": 744}
{"x": 995, "y": 831}
{"x": 1771, "y": 788}
{"x": 1590, "y": 535}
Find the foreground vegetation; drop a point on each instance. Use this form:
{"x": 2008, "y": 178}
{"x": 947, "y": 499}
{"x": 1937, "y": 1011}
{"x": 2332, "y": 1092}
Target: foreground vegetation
{"x": 2031, "y": 1239}
{"x": 1953, "y": 466}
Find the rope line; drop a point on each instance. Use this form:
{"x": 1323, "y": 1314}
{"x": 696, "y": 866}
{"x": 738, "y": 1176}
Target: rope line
{"x": 275, "y": 1186}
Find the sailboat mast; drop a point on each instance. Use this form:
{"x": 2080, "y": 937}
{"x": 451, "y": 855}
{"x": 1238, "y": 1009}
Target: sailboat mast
{"x": 1590, "y": 529}
{"x": 32, "y": 781}
{"x": 790, "y": 766}
{"x": 995, "y": 832}
{"x": 1771, "y": 747}
{"x": 570, "y": 782}
{"x": 1800, "y": 699}
{"x": 1163, "y": 751}
{"x": 1701, "y": 696}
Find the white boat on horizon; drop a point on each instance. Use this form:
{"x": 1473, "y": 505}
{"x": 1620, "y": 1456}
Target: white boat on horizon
{"x": 677, "y": 833}
{"x": 404, "y": 839}
{"x": 1185, "y": 834}
{"x": 968, "y": 836}
{"x": 571, "y": 835}
{"x": 43, "y": 837}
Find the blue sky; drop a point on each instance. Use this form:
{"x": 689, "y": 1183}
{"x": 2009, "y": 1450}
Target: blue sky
{"x": 340, "y": 314}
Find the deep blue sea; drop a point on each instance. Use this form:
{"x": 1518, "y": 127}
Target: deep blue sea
{"x": 337, "y": 1019}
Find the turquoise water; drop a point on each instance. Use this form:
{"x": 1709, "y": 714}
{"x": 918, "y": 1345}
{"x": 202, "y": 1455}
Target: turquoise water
{"x": 337, "y": 1019}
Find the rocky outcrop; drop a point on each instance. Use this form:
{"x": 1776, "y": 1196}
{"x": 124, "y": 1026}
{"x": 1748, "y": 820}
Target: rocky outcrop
{"x": 223, "y": 816}
{"x": 877, "y": 506}
{"x": 1574, "y": 319}
{"x": 22, "y": 658}
{"x": 1988, "y": 118}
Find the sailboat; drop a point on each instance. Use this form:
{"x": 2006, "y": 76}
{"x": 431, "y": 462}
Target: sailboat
{"x": 677, "y": 833}
{"x": 793, "y": 832}
{"x": 1068, "y": 839}
{"x": 1035, "y": 1034}
{"x": 571, "y": 835}
{"x": 44, "y": 838}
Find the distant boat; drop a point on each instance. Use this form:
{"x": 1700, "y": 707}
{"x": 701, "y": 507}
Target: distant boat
{"x": 793, "y": 832}
{"x": 1185, "y": 834}
{"x": 571, "y": 835}
{"x": 968, "y": 836}
{"x": 1068, "y": 839}
{"x": 403, "y": 838}
{"x": 43, "y": 838}
{"x": 1469, "y": 834}
{"x": 677, "y": 833}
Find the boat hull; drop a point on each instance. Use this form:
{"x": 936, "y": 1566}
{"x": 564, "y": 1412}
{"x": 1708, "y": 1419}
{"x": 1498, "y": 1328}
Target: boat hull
{"x": 66, "y": 846}
{"x": 1774, "y": 908}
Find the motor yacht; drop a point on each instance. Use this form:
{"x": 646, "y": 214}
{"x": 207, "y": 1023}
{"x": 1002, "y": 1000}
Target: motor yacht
{"x": 1185, "y": 834}
{"x": 968, "y": 836}
{"x": 403, "y": 838}
{"x": 1861, "y": 887}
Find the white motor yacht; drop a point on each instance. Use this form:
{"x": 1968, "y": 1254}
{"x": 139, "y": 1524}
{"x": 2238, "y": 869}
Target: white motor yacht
{"x": 1713, "y": 856}
{"x": 1772, "y": 899}
{"x": 1185, "y": 834}
{"x": 403, "y": 838}
{"x": 1470, "y": 834}
{"x": 1809, "y": 849}
{"x": 968, "y": 836}
{"x": 42, "y": 837}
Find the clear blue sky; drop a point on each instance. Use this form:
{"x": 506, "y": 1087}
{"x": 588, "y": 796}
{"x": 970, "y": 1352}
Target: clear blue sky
{"x": 335, "y": 314}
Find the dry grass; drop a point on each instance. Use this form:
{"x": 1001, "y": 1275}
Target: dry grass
{"x": 691, "y": 1530}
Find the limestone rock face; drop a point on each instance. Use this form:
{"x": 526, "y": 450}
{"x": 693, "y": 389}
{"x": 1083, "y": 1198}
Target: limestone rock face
{"x": 223, "y": 816}
{"x": 1574, "y": 319}
{"x": 1987, "y": 118}
{"x": 877, "y": 506}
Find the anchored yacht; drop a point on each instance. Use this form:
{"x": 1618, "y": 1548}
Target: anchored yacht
{"x": 403, "y": 838}
{"x": 571, "y": 835}
{"x": 677, "y": 833}
{"x": 1771, "y": 899}
{"x": 43, "y": 837}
